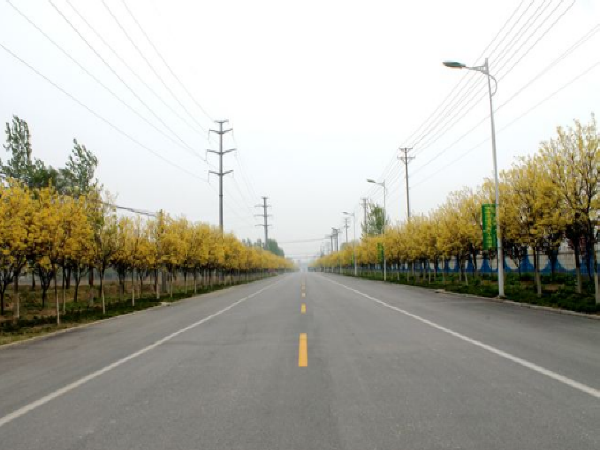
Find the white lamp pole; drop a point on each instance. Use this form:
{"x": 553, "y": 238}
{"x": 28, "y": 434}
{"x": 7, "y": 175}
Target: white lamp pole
{"x": 485, "y": 69}
{"x": 382, "y": 184}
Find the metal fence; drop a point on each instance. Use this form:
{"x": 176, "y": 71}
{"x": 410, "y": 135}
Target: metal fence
{"x": 564, "y": 263}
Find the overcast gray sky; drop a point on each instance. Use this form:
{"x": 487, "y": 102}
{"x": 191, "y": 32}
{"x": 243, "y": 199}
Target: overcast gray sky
{"x": 320, "y": 95}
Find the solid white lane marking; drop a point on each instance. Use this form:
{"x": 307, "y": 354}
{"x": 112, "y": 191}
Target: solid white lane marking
{"x": 42, "y": 401}
{"x": 522, "y": 362}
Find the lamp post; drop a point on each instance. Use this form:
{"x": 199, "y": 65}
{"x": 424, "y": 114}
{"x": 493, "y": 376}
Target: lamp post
{"x": 485, "y": 69}
{"x": 382, "y": 184}
{"x": 353, "y": 215}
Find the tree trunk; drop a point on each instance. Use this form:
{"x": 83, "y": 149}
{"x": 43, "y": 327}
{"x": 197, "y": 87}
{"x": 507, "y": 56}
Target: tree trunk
{"x": 141, "y": 277}
{"x": 32, "y": 280}
{"x": 101, "y": 276}
{"x": 56, "y": 300}
{"x": 578, "y": 281}
{"x": 16, "y": 300}
{"x": 156, "y": 291}
{"x": 163, "y": 282}
{"x": 596, "y": 290}
{"x": 91, "y": 283}
{"x": 67, "y": 274}
{"x": 536, "y": 269}
{"x": 132, "y": 289}
{"x": 76, "y": 293}
{"x": 64, "y": 293}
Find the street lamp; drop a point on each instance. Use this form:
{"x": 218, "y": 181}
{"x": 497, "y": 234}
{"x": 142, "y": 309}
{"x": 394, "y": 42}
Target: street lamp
{"x": 353, "y": 215}
{"x": 485, "y": 69}
{"x": 382, "y": 184}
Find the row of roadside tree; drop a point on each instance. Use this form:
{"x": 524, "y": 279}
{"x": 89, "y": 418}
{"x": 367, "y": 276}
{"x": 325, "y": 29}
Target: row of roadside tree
{"x": 547, "y": 200}
{"x": 56, "y": 226}
{"x": 52, "y": 234}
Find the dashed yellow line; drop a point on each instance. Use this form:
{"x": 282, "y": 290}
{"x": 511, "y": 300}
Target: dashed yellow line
{"x": 303, "y": 351}
{"x": 303, "y": 308}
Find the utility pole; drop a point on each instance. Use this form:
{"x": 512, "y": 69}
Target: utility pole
{"x": 406, "y": 159}
{"x": 335, "y": 233}
{"x": 346, "y": 226}
{"x": 220, "y": 173}
{"x": 364, "y": 205}
{"x": 265, "y": 217}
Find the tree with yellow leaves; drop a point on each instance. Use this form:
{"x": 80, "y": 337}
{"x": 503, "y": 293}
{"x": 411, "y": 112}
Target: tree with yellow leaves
{"x": 531, "y": 209}
{"x": 106, "y": 245}
{"x": 121, "y": 258}
{"x": 49, "y": 237}
{"x": 77, "y": 245}
{"x": 16, "y": 215}
{"x": 573, "y": 160}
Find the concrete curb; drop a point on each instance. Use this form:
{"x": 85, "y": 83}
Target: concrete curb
{"x": 522, "y": 305}
{"x": 494, "y": 299}
{"x": 95, "y": 322}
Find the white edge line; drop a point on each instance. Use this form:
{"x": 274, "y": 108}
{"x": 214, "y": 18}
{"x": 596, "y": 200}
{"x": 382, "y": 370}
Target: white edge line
{"x": 522, "y": 362}
{"x": 74, "y": 385}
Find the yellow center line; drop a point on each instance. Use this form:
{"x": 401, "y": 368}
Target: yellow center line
{"x": 303, "y": 308}
{"x": 303, "y": 351}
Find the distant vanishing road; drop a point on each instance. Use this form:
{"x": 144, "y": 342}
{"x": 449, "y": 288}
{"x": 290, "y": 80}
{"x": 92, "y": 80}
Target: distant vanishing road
{"x": 309, "y": 361}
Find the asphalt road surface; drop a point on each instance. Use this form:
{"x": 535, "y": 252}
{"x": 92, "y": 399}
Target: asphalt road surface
{"x": 362, "y": 365}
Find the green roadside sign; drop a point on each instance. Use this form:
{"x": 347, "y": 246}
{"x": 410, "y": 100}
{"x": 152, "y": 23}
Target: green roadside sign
{"x": 380, "y": 252}
{"x": 488, "y": 218}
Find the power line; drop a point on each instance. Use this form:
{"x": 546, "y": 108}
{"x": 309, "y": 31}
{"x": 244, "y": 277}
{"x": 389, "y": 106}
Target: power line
{"x": 130, "y": 209}
{"x": 544, "y": 100}
{"x": 521, "y": 32}
{"x": 586, "y": 37}
{"x": 551, "y": 27}
{"x": 526, "y": 26}
{"x": 114, "y": 72}
{"x": 131, "y": 70}
{"x": 302, "y": 241}
{"x": 549, "y": 67}
{"x": 98, "y": 116}
{"x": 165, "y": 63}
{"x": 468, "y": 78}
{"x": 131, "y": 41}
{"x": 93, "y": 77}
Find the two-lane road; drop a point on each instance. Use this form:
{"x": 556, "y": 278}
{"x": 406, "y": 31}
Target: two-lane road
{"x": 310, "y": 361}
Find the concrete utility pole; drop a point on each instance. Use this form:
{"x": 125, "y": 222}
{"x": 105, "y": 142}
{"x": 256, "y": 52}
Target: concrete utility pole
{"x": 353, "y": 215}
{"x": 265, "y": 217}
{"x": 406, "y": 159}
{"x": 346, "y": 226}
{"x": 220, "y": 173}
{"x": 330, "y": 236}
{"x": 335, "y": 233}
{"x": 364, "y": 205}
